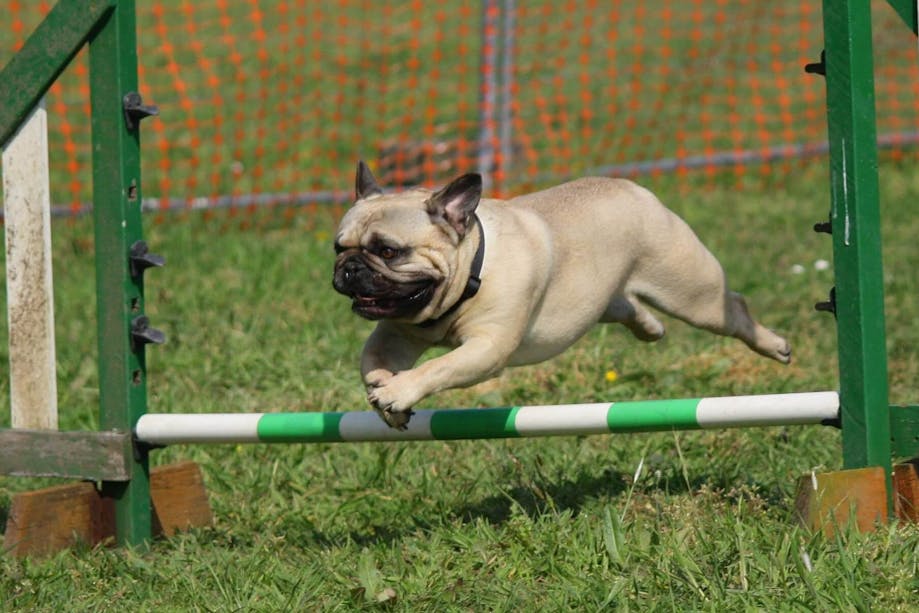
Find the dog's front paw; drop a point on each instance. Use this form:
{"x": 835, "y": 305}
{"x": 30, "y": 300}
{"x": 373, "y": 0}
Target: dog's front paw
{"x": 393, "y": 399}
{"x": 376, "y": 378}
{"x": 395, "y": 419}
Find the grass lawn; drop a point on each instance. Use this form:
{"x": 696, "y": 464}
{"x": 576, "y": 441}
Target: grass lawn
{"x": 569, "y": 523}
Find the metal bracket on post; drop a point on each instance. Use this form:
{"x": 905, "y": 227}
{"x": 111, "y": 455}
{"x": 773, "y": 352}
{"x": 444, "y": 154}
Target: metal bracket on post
{"x": 141, "y": 259}
{"x": 817, "y": 67}
{"x": 143, "y": 334}
{"x": 828, "y": 306}
{"x": 135, "y": 110}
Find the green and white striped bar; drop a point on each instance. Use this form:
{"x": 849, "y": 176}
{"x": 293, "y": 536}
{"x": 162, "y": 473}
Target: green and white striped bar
{"x": 510, "y": 422}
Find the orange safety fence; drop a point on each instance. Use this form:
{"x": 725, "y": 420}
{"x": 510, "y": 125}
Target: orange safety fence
{"x": 273, "y": 102}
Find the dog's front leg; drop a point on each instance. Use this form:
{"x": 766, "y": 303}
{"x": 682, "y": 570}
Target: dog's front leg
{"x": 387, "y": 352}
{"x": 477, "y": 359}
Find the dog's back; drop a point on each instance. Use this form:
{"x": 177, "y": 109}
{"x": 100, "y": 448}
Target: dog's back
{"x": 583, "y": 240}
{"x": 604, "y": 228}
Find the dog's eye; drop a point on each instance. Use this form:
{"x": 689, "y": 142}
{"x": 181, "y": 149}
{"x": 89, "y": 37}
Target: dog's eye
{"x": 388, "y": 253}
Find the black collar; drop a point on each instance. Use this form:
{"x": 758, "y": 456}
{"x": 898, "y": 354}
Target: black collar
{"x": 474, "y": 282}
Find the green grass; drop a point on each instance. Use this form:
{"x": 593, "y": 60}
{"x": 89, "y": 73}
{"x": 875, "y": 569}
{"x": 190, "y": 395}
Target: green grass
{"x": 557, "y": 524}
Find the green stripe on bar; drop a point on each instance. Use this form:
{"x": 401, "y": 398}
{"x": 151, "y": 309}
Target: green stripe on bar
{"x": 455, "y": 424}
{"x": 299, "y": 427}
{"x": 653, "y": 415}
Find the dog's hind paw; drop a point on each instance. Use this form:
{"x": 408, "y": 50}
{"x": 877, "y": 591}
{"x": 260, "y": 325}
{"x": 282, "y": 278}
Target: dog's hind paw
{"x": 785, "y": 354}
{"x": 778, "y": 349}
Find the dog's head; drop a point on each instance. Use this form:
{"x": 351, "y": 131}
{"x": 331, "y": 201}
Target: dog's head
{"x": 400, "y": 255}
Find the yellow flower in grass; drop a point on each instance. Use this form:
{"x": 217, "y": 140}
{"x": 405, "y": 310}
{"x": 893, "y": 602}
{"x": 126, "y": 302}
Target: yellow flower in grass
{"x": 611, "y": 376}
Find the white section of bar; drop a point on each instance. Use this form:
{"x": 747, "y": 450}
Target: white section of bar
{"x": 368, "y": 426}
{"x": 180, "y": 428}
{"x": 567, "y": 419}
{"x": 768, "y": 409}
{"x": 30, "y": 302}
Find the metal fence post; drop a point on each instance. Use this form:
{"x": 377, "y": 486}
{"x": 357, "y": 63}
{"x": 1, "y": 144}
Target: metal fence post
{"x": 488, "y": 92}
{"x": 508, "y": 70}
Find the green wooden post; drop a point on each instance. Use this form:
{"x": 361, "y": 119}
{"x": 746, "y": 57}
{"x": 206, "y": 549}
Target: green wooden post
{"x": 855, "y": 218}
{"x": 908, "y": 12}
{"x": 119, "y": 295}
{"x": 47, "y": 52}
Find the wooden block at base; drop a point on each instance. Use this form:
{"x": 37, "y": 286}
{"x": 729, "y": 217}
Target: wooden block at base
{"x": 179, "y": 498}
{"x": 827, "y": 501}
{"x": 49, "y": 520}
{"x": 906, "y": 486}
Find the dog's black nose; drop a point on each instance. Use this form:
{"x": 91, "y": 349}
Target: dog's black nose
{"x": 350, "y": 269}
{"x": 348, "y": 274}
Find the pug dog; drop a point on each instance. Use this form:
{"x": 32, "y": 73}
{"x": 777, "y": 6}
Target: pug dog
{"x": 513, "y": 282}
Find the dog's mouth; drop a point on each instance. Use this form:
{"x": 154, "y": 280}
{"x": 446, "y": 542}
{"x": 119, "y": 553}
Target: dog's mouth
{"x": 393, "y": 306}
{"x": 375, "y": 295}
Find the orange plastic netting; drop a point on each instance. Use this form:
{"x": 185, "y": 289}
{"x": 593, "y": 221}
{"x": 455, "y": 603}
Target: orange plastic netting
{"x": 273, "y": 102}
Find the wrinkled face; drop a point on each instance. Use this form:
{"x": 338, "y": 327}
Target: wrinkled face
{"x": 397, "y": 253}
{"x": 390, "y": 258}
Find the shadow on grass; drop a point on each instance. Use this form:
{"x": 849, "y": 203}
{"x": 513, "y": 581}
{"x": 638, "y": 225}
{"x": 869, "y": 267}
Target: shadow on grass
{"x": 536, "y": 499}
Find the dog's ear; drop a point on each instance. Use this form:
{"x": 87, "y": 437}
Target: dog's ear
{"x": 456, "y": 202}
{"x": 364, "y": 183}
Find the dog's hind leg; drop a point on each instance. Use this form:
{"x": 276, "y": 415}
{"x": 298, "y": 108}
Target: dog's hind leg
{"x": 696, "y": 291}
{"x": 634, "y": 316}
{"x": 759, "y": 338}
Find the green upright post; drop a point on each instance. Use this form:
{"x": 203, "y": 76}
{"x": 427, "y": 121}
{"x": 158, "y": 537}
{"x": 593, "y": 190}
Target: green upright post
{"x": 45, "y": 55}
{"x": 119, "y": 294}
{"x": 907, "y": 10}
{"x": 856, "y": 229}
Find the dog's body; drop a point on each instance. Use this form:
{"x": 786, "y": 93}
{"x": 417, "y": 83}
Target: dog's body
{"x": 556, "y": 262}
